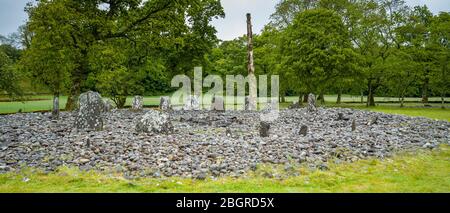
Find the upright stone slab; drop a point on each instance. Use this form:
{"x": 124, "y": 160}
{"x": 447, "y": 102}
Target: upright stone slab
{"x": 108, "y": 106}
{"x": 137, "y": 103}
{"x": 192, "y": 103}
{"x": 89, "y": 115}
{"x": 217, "y": 104}
{"x": 55, "y": 110}
{"x": 164, "y": 103}
{"x": 249, "y": 105}
{"x": 154, "y": 122}
{"x": 264, "y": 129}
{"x": 303, "y": 130}
{"x": 311, "y": 103}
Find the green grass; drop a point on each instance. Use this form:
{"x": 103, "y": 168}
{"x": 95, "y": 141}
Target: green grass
{"x": 435, "y": 113}
{"x": 426, "y": 171}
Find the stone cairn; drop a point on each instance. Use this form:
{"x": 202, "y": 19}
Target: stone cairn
{"x": 311, "y": 103}
{"x": 164, "y": 103}
{"x": 138, "y": 103}
{"x": 217, "y": 104}
{"x": 89, "y": 115}
{"x": 249, "y": 106}
{"x": 154, "y": 122}
{"x": 192, "y": 103}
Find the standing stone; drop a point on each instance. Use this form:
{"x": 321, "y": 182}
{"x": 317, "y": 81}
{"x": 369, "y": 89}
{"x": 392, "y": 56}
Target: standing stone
{"x": 311, "y": 102}
{"x": 192, "y": 103}
{"x": 353, "y": 125}
{"x": 217, "y": 104}
{"x": 303, "y": 130}
{"x": 108, "y": 106}
{"x": 90, "y": 108}
{"x": 137, "y": 103}
{"x": 154, "y": 122}
{"x": 373, "y": 120}
{"x": 249, "y": 104}
{"x": 164, "y": 103}
{"x": 55, "y": 111}
{"x": 295, "y": 105}
{"x": 264, "y": 129}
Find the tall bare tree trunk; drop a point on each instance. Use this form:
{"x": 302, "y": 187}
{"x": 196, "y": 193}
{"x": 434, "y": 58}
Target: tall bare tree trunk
{"x": 251, "y": 67}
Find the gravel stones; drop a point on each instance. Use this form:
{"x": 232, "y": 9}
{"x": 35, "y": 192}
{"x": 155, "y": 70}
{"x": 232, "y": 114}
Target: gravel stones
{"x": 208, "y": 143}
{"x": 154, "y": 122}
{"x": 89, "y": 114}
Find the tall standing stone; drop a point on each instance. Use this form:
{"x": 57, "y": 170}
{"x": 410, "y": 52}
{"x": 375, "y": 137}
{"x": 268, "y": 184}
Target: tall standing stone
{"x": 108, "y": 106}
{"x": 252, "y": 98}
{"x": 311, "y": 102}
{"x": 192, "y": 103}
{"x": 138, "y": 103}
{"x": 89, "y": 115}
{"x": 164, "y": 103}
{"x": 249, "y": 104}
{"x": 55, "y": 110}
{"x": 217, "y": 104}
{"x": 264, "y": 129}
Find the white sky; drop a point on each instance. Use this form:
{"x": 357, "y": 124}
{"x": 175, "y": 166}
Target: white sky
{"x": 234, "y": 24}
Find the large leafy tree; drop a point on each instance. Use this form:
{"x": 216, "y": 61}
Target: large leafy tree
{"x": 317, "y": 50}
{"x": 154, "y": 27}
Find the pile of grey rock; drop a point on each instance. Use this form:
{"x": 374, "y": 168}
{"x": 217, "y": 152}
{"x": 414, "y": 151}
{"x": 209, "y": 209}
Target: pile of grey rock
{"x": 198, "y": 144}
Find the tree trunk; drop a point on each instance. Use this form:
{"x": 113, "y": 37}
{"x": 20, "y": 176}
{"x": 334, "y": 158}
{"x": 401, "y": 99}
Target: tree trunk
{"x": 321, "y": 98}
{"x": 250, "y": 66}
{"x": 305, "y": 98}
{"x": 425, "y": 91}
{"x": 370, "y": 97}
{"x": 443, "y": 100}
{"x": 362, "y": 96}
{"x": 402, "y": 100}
{"x": 72, "y": 100}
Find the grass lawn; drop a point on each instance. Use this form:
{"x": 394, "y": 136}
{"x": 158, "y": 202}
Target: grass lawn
{"x": 427, "y": 171}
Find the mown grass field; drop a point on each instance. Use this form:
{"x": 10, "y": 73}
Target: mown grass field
{"x": 426, "y": 171}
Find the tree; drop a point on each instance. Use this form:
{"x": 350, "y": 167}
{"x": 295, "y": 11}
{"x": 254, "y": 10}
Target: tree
{"x": 317, "y": 50}
{"x": 167, "y": 28}
{"x": 9, "y": 77}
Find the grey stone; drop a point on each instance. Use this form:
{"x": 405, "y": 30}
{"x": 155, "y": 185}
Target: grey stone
{"x": 108, "y": 106}
{"x": 137, "y": 104}
{"x": 295, "y": 105}
{"x": 55, "y": 110}
{"x": 164, "y": 103}
{"x": 89, "y": 114}
{"x": 192, "y": 103}
{"x": 303, "y": 130}
{"x": 218, "y": 104}
{"x": 311, "y": 103}
{"x": 264, "y": 129}
{"x": 154, "y": 122}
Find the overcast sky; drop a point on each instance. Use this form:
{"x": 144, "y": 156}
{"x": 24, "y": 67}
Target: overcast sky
{"x": 12, "y": 15}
